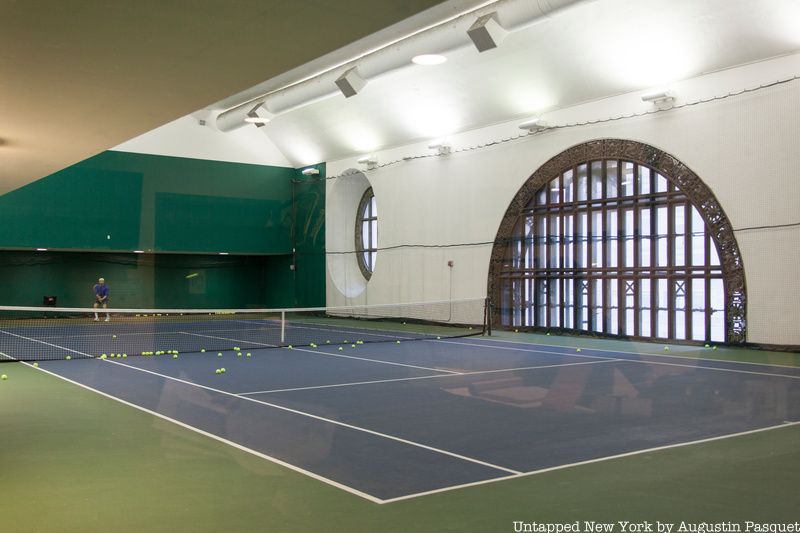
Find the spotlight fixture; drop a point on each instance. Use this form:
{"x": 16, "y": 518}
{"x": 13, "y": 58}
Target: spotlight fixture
{"x": 368, "y": 160}
{"x": 350, "y": 83}
{"x": 659, "y": 97}
{"x": 253, "y": 116}
{"x": 310, "y": 172}
{"x": 534, "y": 125}
{"x": 428, "y": 59}
{"x": 441, "y": 148}
{"x": 486, "y": 33}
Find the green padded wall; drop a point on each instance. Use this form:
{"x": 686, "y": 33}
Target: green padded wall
{"x": 116, "y": 202}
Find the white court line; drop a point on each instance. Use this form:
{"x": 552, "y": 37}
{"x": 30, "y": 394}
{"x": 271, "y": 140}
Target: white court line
{"x": 46, "y": 343}
{"x": 228, "y": 339}
{"x": 321, "y": 418}
{"x": 477, "y": 372}
{"x": 301, "y": 413}
{"x": 221, "y": 439}
{"x": 687, "y": 358}
{"x": 326, "y": 354}
{"x": 590, "y": 461}
{"x": 366, "y": 331}
{"x": 132, "y": 333}
{"x": 684, "y": 357}
{"x": 516, "y": 349}
{"x": 695, "y": 367}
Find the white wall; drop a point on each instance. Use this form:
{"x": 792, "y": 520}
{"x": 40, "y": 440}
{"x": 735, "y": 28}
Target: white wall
{"x": 185, "y": 137}
{"x": 745, "y": 148}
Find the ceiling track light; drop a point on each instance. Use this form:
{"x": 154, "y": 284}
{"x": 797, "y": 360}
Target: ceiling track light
{"x": 368, "y": 160}
{"x": 253, "y": 116}
{"x": 659, "y": 97}
{"x": 535, "y": 124}
{"x": 441, "y": 148}
{"x": 350, "y": 83}
{"x": 487, "y": 33}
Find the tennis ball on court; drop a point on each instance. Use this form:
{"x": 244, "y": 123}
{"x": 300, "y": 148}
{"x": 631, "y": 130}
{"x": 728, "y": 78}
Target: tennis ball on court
{"x": 4, "y": 377}
{"x": 577, "y": 349}
{"x": 68, "y": 357}
{"x": 236, "y": 348}
{"x": 103, "y": 356}
{"x": 290, "y": 346}
{"x": 174, "y": 356}
{"x": 238, "y": 354}
{"x": 249, "y": 354}
{"x": 516, "y": 331}
{"x": 327, "y": 342}
{"x": 222, "y": 369}
{"x": 219, "y": 354}
{"x": 124, "y": 355}
{"x": 708, "y": 346}
{"x": 398, "y": 342}
{"x": 202, "y": 350}
{"x": 713, "y": 347}
{"x": 438, "y": 338}
{"x": 218, "y": 371}
{"x": 666, "y": 348}
{"x": 35, "y": 365}
{"x": 548, "y": 333}
{"x": 340, "y": 348}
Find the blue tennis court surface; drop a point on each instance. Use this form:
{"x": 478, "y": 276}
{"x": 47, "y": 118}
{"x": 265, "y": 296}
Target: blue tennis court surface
{"x": 388, "y": 421}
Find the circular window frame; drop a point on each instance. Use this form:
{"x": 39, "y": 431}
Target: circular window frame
{"x": 368, "y": 195}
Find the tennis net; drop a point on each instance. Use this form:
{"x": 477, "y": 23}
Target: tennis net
{"x": 42, "y": 333}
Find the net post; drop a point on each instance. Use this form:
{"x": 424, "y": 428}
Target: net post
{"x": 283, "y": 327}
{"x": 487, "y": 317}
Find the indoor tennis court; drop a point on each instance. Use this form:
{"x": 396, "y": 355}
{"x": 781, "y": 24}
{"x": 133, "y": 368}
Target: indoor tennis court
{"x": 460, "y": 266}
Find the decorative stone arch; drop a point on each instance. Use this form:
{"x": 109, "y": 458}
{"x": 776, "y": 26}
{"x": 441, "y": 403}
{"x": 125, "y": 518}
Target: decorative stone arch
{"x": 717, "y": 224}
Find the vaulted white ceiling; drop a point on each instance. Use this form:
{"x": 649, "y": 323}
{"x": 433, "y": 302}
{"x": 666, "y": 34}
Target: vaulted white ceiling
{"x": 593, "y": 50}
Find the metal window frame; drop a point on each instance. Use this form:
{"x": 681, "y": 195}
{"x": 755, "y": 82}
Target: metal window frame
{"x": 684, "y": 191}
{"x": 364, "y": 214}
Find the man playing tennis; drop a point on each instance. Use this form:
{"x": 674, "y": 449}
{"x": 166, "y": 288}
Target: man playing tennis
{"x": 100, "y": 297}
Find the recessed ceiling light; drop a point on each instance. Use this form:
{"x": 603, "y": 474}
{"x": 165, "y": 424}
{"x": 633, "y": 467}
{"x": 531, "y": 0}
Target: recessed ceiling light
{"x": 428, "y": 59}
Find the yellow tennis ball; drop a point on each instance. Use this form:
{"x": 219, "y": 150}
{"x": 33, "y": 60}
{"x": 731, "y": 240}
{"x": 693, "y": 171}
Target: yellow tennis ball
{"x": 35, "y": 365}
{"x": 218, "y": 371}
{"x": 249, "y": 354}
{"x": 68, "y": 357}
{"x": 4, "y": 377}
{"x": 340, "y": 348}
{"x": 175, "y": 356}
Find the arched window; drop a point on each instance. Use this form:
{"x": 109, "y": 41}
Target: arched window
{"x": 610, "y": 242}
{"x": 367, "y": 233}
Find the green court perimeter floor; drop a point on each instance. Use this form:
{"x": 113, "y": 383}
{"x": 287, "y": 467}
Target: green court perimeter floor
{"x": 72, "y": 460}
